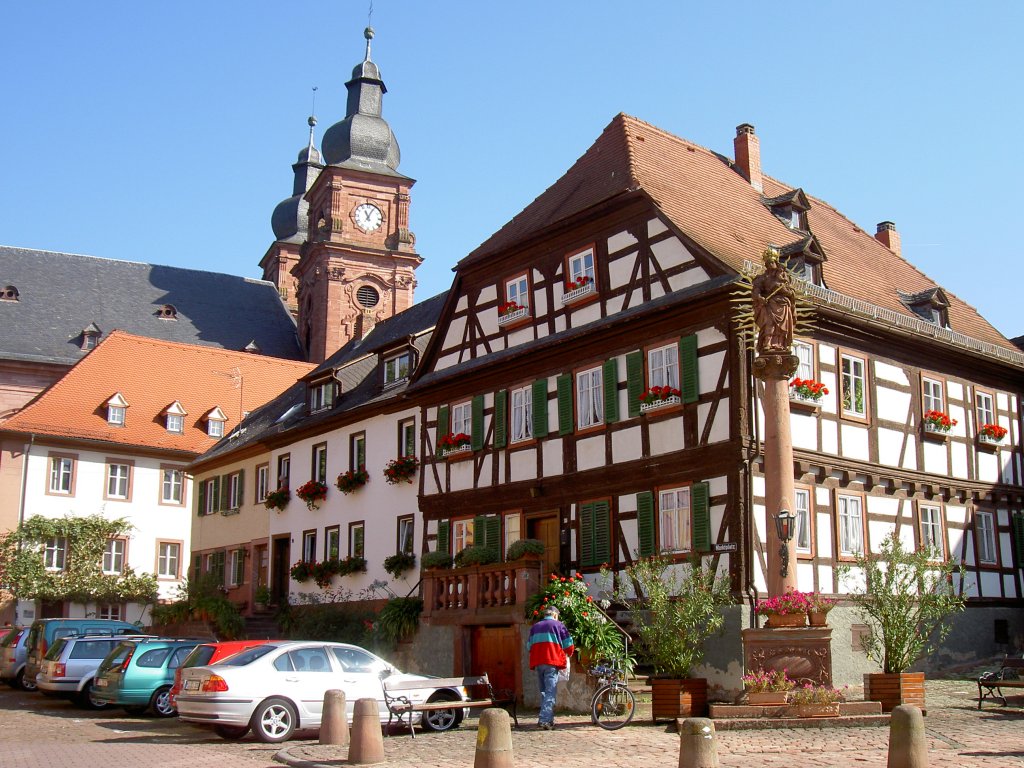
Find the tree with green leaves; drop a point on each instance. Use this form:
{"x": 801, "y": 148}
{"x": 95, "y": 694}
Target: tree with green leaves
{"x": 79, "y": 578}
{"x": 907, "y": 599}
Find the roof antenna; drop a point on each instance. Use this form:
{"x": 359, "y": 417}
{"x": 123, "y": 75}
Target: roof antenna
{"x": 312, "y": 119}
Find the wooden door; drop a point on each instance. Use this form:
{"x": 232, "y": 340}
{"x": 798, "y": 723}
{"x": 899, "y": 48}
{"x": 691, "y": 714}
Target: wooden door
{"x": 279, "y": 570}
{"x": 495, "y": 651}
{"x": 545, "y": 529}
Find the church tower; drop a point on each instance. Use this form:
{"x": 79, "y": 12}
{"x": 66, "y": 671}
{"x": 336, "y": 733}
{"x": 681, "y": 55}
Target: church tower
{"x": 357, "y": 265}
{"x": 290, "y": 223}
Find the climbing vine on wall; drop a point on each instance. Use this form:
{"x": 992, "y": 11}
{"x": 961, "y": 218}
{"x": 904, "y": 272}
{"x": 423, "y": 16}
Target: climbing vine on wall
{"x": 24, "y": 572}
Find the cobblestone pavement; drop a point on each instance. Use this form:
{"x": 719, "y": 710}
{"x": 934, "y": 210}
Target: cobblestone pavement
{"x": 46, "y": 733}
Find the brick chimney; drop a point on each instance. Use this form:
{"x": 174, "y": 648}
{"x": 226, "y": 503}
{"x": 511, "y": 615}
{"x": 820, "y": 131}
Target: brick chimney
{"x": 887, "y": 235}
{"x": 364, "y": 324}
{"x": 748, "y": 155}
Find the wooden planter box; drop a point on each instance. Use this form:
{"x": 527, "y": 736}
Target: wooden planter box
{"x": 673, "y": 698}
{"x": 767, "y": 698}
{"x": 895, "y": 689}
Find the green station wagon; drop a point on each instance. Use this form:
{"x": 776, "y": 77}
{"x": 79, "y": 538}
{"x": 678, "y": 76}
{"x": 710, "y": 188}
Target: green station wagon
{"x": 138, "y": 674}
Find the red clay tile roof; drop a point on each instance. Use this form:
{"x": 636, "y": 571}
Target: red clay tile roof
{"x": 151, "y": 375}
{"x": 716, "y": 207}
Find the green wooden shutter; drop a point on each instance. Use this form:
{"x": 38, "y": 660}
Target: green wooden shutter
{"x": 634, "y": 381}
{"x": 410, "y": 440}
{"x": 225, "y": 487}
{"x": 645, "y": 523}
{"x": 442, "y": 535}
{"x": 215, "y": 503}
{"x": 492, "y": 530}
{"x": 500, "y": 418}
{"x": 689, "y": 382}
{"x": 1018, "y": 536}
{"x": 442, "y": 427}
{"x": 700, "y": 505}
{"x": 241, "y": 490}
{"x": 586, "y": 512}
{"x": 565, "y": 420}
{"x": 197, "y": 569}
{"x": 218, "y": 567}
{"x": 201, "y": 498}
{"x": 477, "y": 427}
{"x": 611, "y": 390}
{"x": 479, "y": 531}
{"x": 540, "y": 408}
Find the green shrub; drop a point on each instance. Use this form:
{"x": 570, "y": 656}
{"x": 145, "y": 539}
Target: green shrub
{"x": 476, "y": 555}
{"x": 399, "y": 618}
{"x": 524, "y": 547}
{"x": 399, "y": 563}
{"x": 437, "y": 560}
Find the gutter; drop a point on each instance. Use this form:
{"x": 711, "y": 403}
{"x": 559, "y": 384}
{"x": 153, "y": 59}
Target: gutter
{"x": 24, "y": 478}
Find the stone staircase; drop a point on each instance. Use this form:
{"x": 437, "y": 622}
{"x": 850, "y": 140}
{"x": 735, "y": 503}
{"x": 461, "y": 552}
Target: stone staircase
{"x": 261, "y": 626}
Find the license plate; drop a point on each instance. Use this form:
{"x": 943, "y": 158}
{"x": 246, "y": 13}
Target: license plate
{"x": 191, "y": 685}
{"x": 100, "y": 682}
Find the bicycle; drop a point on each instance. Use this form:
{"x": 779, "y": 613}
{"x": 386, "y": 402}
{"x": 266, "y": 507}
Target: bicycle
{"x": 613, "y": 704}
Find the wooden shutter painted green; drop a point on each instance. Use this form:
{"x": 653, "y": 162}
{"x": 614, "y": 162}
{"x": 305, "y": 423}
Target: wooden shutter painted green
{"x": 492, "y": 530}
{"x": 477, "y": 427}
{"x": 225, "y": 492}
{"x": 479, "y": 530}
{"x": 500, "y": 418}
{"x": 540, "y": 408}
{"x": 442, "y": 427}
{"x": 688, "y": 379}
{"x": 410, "y": 439}
{"x": 565, "y": 420}
{"x": 197, "y": 569}
{"x": 442, "y": 535}
{"x": 645, "y": 523}
{"x": 201, "y": 499}
{"x": 595, "y": 533}
{"x": 634, "y": 381}
{"x": 218, "y": 567}
{"x": 1018, "y": 536}
{"x": 611, "y": 390}
{"x": 700, "y": 504}
{"x": 215, "y": 504}
{"x": 241, "y": 490}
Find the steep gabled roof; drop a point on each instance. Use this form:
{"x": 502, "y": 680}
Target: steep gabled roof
{"x": 60, "y": 294}
{"x": 150, "y": 374}
{"x": 704, "y": 196}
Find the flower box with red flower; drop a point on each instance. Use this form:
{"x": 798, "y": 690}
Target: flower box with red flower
{"x": 455, "y": 443}
{"x": 937, "y": 422}
{"x": 659, "y": 397}
{"x": 511, "y": 312}
{"x": 401, "y": 470}
{"x": 992, "y": 434}
{"x": 352, "y": 480}
{"x": 576, "y": 289}
{"x": 807, "y": 391}
{"x": 312, "y": 492}
{"x": 277, "y": 499}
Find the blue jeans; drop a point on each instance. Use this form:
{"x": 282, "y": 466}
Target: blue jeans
{"x": 547, "y": 681}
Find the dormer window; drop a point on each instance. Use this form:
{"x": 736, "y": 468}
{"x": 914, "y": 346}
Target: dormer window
{"x": 930, "y": 305}
{"x": 790, "y": 208}
{"x": 175, "y": 416}
{"x": 90, "y": 336}
{"x": 804, "y": 259}
{"x": 167, "y": 312}
{"x": 397, "y": 368}
{"x": 117, "y": 408}
{"x": 215, "y": 420}
{"x": 9, "y": 293}
{"x": 321, "y": 395}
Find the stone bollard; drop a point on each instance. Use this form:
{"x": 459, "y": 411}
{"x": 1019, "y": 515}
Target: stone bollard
{"x": 334, "y": 722}
{"x": 493, "y": 740}
{"x": 907, "y": 747}
{"x": 367, "y": 745}
{"x": 697, "y": 745}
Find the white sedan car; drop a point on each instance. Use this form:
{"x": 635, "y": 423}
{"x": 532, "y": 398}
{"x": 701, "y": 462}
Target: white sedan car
{"x": 278, "y": 688}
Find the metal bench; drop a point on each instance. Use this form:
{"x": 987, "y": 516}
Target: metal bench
{"x": 1008, "y": 675}
{"x": 400, "y": 707}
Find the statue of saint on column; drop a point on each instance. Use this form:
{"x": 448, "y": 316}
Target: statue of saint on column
{"x": 774, "y": 303}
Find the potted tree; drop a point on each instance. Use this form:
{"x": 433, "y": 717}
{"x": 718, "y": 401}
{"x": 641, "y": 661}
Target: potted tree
{"x": 676, "y": 607}
{"x": 906, "y": 599}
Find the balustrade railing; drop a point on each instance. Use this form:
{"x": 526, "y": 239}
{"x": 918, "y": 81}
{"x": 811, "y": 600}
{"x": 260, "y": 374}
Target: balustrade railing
{"x": 502, "y": 585}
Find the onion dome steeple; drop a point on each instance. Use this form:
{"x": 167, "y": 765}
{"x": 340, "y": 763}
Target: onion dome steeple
{"x": 363, "y": 140}
{"x": 290, "y": 220}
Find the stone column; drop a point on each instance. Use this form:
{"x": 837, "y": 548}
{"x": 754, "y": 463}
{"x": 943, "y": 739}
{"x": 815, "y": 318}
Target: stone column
{"x": 775, "y": 369}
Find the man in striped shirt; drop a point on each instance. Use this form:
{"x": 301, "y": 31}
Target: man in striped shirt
{"x": 550, "y": 647}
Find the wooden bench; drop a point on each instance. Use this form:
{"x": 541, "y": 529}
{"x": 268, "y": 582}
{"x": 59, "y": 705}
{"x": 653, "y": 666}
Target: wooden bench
{"x": 1007, "y": 676}
{"x": 399, "y": 706}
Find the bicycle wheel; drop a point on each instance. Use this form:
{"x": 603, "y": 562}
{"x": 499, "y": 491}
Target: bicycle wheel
{"x": 613, "y": 706}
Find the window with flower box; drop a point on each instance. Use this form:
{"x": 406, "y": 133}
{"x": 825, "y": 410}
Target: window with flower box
{"x": 930, "y": 529}
{"x": 319, "y": 463}
{"x": 933, "y": 394}
{"x": 407, "y": 438}
{"x": 850, "y": 523}
{"x": 854, "y": 384}
{"x": 262, "y": 482}
{"x": 406, "y": 528}
{"x": 516, "y": 306}
{"x": 284, "y": 468}
{"x": 985, "y": 534}
{"x": 580, "y": 276}
{"x": 460, "y": 428}
{"x": 357, "y": 451}
{"x": 665, "y": 375}
{"x": 804, "y": 353}
{"x": 309, "y": 546}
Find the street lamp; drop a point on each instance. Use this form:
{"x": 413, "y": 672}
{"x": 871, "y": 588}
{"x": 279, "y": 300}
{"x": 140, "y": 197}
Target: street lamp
{"x": 784, "y": 529}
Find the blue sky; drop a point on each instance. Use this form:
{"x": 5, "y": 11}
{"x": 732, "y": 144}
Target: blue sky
{"x": 165, "y": 132}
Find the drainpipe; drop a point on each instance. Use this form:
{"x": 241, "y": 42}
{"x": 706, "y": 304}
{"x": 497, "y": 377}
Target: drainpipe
{"x": 21, "y": 500}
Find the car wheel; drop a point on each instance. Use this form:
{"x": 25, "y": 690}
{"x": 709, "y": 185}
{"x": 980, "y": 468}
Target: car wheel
{"x": 87, "y": 697}
{"x": 231, "y": 732}
{"x": 442, "y": 719}
{"x": 21, "y": 681}
{"x": 274, "y": 720}
{"x": 161, "y": 704}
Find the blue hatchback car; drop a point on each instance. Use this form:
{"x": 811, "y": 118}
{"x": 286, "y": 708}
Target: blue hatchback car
{"x": 139, "y": 672}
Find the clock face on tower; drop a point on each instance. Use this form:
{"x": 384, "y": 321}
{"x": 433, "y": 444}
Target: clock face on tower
{"x": 368, "y": 217}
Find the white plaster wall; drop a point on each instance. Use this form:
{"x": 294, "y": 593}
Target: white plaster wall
{"x": 855, "y": 441}
{"x": 627, "y": 445}
{"x": 461, "y": 474}
{"x": 620, "y": 268}
{"x": 621, "y": 240}
{"x": 667, "y": 435}
{"x": 588, "y": 313}
{"x": 552, "y": 454}
{"x": 988, "y": 466}
{"x": 829, "y": 402}
{"x": 935, "y": 457}
{"x": 887, "y": 372}
{"x": 954, "y": 390}
{"x": 804, "y": 430}
{"x": 890, "y": 446}
{"x": 989, "y": 584}
{"x": 627, "y": 504}
{"x": 590, "y": 452}
{"x": 655, "y": 226}
{"x": 522, "y": 464}
{"x": 518, "y": 336}
{"x": 958, "y": 460}
{"x": 892, "y": 405}
{"x": 830, "y": 437}
{"x": 709, "y": 370}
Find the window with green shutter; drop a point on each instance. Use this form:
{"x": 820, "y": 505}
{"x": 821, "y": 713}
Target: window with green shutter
{"x": 201, "y": 499}
{"x": 701, "y": 504}
{"x": 689, "y": 380}
{"x": 595, "y": 533}
{"x": 540, "y": 408}
{"x": 500, "y": 418}
{"x": 645, "y": 523}
{"x": 565, "y": 411}
{"x": 634, "y": 381}
{"x": 477, "y": 428}
{"x": 241, "y": 489}
{"x": 487, "y": 533}
{"x": 611, "y": 391}
{"x": 442, "y": 427}
{"x": 443, "y": 528}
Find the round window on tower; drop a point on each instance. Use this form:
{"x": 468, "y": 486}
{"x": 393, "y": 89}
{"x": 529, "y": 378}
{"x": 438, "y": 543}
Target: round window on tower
{"x": 367, "y": 297}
